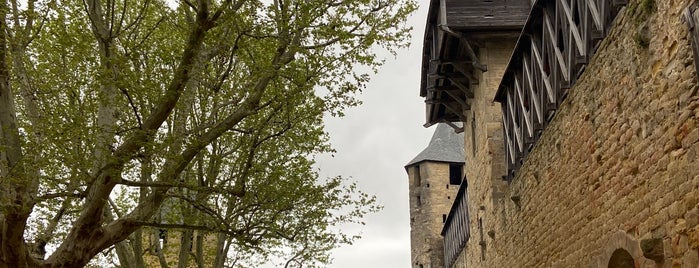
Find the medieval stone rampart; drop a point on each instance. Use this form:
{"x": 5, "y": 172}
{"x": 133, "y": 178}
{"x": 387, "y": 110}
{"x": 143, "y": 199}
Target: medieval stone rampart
{"x": 616, "y": 172}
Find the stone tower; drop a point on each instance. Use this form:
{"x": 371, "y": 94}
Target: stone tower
{"x": 434, "y": 178}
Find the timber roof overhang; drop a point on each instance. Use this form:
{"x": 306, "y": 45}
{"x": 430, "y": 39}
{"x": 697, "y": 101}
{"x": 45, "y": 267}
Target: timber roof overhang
{"x": 454, "y": 31}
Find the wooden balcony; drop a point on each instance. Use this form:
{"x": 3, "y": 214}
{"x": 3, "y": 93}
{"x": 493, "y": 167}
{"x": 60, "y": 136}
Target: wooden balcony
{"x": 456, "y": 231}
{"x": 454, "y": 30}
{"x": 557, "y": 41}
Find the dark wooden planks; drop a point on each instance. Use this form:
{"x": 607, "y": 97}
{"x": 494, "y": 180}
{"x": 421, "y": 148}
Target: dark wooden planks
{"x": 456, "y": 230}
{"x": 555, "y": 45}
{"x": 481, "y": 14}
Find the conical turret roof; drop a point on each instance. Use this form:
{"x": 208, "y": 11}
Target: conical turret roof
{"x": 445, "y": 146}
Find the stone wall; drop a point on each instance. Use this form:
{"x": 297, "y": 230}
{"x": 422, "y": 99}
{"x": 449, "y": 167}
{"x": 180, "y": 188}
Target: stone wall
{"x": 436, "y": 196}
{"x": 485, "y": 166}
{"x": 617, "y": 170}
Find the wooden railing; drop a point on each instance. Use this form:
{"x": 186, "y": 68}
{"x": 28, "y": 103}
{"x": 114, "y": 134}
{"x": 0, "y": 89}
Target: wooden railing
{"x": 456, "y": 227}
{"x": 556, "y": 43}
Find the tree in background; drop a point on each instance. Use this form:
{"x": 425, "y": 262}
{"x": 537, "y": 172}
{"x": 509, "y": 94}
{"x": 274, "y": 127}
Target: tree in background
{"x": 127, "y": 125}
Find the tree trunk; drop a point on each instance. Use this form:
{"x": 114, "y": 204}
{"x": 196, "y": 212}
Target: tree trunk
{"x": 15, "y": 187}
{"x": 185, "y": 248}
{"x": 137, "y": 243}
{"x": 159, "y": 250}
{"x": 222, "y": 246}
{"x": 125, "y": 255}
{"x": 200, "y": 249}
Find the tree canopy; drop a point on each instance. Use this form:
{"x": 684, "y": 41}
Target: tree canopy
{"x": 123, "y": 122}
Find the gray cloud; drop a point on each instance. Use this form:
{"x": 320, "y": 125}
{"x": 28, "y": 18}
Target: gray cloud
{"x": 374, "y": 142}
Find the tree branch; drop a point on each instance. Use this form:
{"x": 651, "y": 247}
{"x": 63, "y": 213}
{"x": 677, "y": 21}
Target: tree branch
{"x": 185, "y": 227}
{"x": 133, "y": 106}
{"x": 45, "y": 197}
{"x": 108, "y": 176}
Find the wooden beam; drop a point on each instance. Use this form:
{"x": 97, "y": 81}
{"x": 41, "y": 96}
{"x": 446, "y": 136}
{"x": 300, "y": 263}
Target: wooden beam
{"x": 573, "y": 27}
{"x": 457, "y": 62}
{"x": 461, "y": 67}
{"x": 468, "y": 94}
{"x": 553, "y": 56}
{"x": 456, "y": 97}
{"x": 456, "y": 128}
{"x": 445, "y": 75}
{"x": 552, "y": 39}
{"x": 469, "y": 50}
{"x": 539, "y": 62}
{"x": 596, "y": 16}
{"x": 458, "y": 112}
{"x": 462, "y": 87}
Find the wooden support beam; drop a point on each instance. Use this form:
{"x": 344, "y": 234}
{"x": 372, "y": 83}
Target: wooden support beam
{"x": 452, "y": 106}
{"x": 549, "y": 59}
{"x": 443, "y": 102}
{"x": 469, "y": 50}
{"x": 445, "y": 75}
{"x": 461, "y": 67}
{"x": 596, "y": 16}
{"x": 573, "y": 27}
{"x": 552, "y": 39}
{"x": 468, "y": 91}
{"x": 458, "y": 99}
{"x": 456, "y": 128}
{"x": 457, "y": 62}
{"x": 539, "y": 63}
{"x": 468, "y": 94}
{"x": 458, "y": 112}
{"x": 526, "y": 114}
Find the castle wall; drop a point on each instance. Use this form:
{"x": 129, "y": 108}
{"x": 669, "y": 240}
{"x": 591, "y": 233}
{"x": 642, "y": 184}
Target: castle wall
{"x": 436, "y": 197}
{"x": 485, "y": 166}
{"x": 617, "y": 168}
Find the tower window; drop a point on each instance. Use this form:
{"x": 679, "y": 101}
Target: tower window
{"x": 419, "y": 201}
{"x": 455, "y": 174}
{"x": 417, "y": 177}
{"x": 444, "y": 218}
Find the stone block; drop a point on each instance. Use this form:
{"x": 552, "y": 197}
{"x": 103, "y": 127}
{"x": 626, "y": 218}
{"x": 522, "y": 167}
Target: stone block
{"x": 653, "y": 249}
{"x": 691, "y": 138}
{"x": 691, "y": 259}
{"x": 694, "y": 238}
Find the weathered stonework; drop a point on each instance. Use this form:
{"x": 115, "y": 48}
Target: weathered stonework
{"x": 432, "y": 189}
{"x": 618, "y": 164}
{"x": 426, "y": 217}
{"x": 614, "y": 179}
{"x": 485, "y": 165}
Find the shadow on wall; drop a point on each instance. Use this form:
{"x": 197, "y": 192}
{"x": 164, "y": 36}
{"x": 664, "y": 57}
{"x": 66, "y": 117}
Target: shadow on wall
{"x": 621, "y": 259}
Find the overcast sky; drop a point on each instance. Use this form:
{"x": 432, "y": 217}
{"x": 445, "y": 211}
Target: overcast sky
{"x": 373, "y": 142}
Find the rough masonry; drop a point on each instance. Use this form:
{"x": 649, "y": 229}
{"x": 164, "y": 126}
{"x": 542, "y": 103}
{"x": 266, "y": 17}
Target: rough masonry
{"x": 614, "y": 179}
